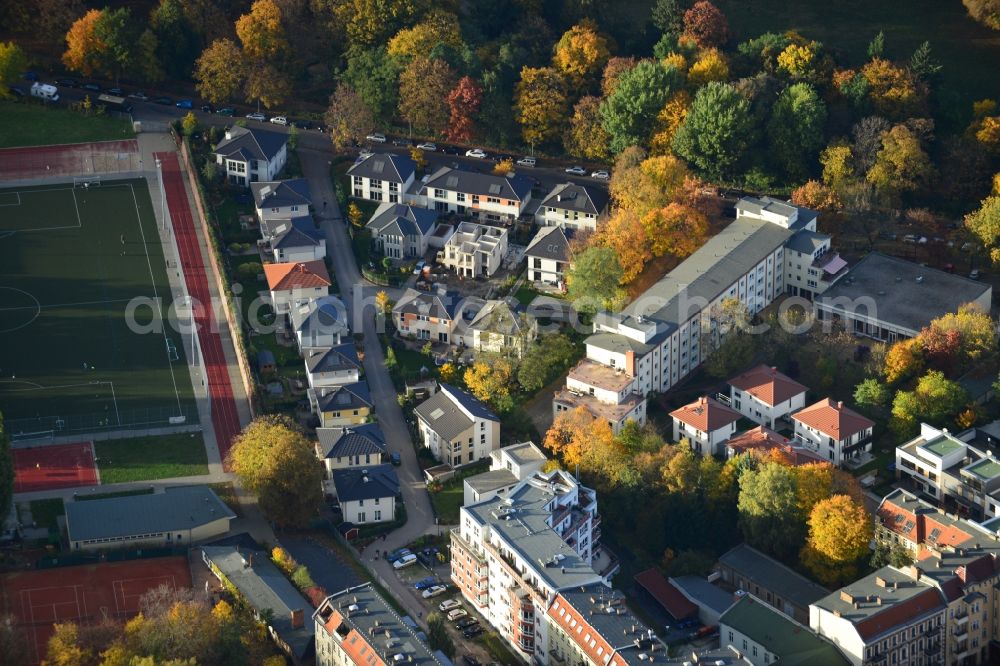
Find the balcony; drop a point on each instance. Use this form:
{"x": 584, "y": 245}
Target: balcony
{"x": 456, "y": 536}
{"x": 962, "y": 619}
{"x": 526, "y": 629}
{"x": 961, "y": 631}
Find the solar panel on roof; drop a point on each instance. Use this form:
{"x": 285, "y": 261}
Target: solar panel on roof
{"x": 495, "y": 188}
{"x": 378, "y": 166}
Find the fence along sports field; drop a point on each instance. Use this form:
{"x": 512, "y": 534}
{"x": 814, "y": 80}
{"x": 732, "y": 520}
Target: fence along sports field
{"x": 72, "y": 256}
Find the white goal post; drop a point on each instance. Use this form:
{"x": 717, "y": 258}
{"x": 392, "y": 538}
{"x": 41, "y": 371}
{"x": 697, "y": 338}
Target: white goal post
{"x": 86, "y": 181}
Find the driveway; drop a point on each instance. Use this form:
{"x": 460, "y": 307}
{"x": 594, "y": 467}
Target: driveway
{"x": 326, "y": 567}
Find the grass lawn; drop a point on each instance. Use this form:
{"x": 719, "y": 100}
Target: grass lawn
{"x": 227, "y": 493}
{"x": 448, "y": 500}
{"x": 525, "y": 294}
{"x": 45, "y": 511}
{"x": 121, "y": 493}
{"x": 146, "y": 458}
{"x": 71, "y": 264}
{"x": 963, "y": 47}
{"x": 30, "y": 124}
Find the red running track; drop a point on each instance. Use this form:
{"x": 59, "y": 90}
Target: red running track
{"x": 225, "y": 418}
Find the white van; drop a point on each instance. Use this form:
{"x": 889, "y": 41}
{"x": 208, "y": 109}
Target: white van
{"x": 45, "y": 91}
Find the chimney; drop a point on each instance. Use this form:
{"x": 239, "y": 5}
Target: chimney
{"x": 250, "y": 562}
{"x": 298, "y": 618}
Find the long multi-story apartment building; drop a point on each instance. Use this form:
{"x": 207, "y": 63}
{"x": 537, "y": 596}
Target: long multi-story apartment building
{"x": 528, "y": 561}
{"x": 657, "y": 338}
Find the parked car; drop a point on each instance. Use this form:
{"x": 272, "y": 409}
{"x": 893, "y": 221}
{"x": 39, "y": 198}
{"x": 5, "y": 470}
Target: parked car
{"x": 376, "y": 138}
{"x": 279, "y": 120}
{"x": 116, "y": 91}
{"x": 434, "y": 591}
{"x": 139, "y": 95}
{"x": 527, "y": 162}
{"x": 208, "y": 108}
{"x": 92, "y": 87}
{"x": 472, "y": 631}
{"x": 910, "y": 238}
{"x": 67, "y": 83}
{"x": 478, "y": 153}
{"x": 577, "y": 171}
{"x": 974, "y": 275}
{"x": 184, "y": 104}
{"x": 449, "y": 604}
{"x": 165, "y": 101}
{"x": 466, "y": 623}
{"x": 456, "y": 614}
{"x": 601, "y": 175}
{"x": 226, "y": 111}
{"x": 258, "y": 116}
{"x": 419, "y": 267}
{"x": 405, "y": 561}
{"x": 396, "y": 554}
{"x": 395, "y": 459}
{"x": 424, "y": 583}
{"x": 428, "y": 146}
{"x": 301, "y": 124}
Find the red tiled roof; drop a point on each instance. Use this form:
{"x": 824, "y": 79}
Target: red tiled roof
{"x": 765, "y": 439}
{"x": 296, "y": 275}
{"x": 896, "y": 614}
{"x": 706, "y": 414}
{"x": 833, "y": 419}
{"x": 668, "y": 596}
{"x": 767, "y": 385}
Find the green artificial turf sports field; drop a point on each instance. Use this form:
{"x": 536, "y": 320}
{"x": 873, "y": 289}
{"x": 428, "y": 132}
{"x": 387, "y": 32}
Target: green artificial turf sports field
{"x": 72, "y": 261}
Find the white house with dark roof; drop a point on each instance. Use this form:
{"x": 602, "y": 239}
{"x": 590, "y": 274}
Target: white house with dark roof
{"x": 485, "y": 196}
{"x": 175, "y": 517}
{"x": 500, "y": 325}
{"x": 249, "y": 155}
{"x": 281, "y": 199}
{"x": 401, "y": 231}
{"x": 427, "y": 315}
{"x": 457, "y": 427}
{"x": 319, "y": 322}
{"x": 474, "y": 250}
{"x": 834, "y": 431}
{"x": 331, "y": 366}
{"x": 297, "y": 239}
{"x": 382, "y": 177}
{"x": 366, "y": 494}
{"x": 764, "y": 395}
{"x": 573, "y": 206}
{"x": 360, "y": 446}
{"x": 548, "y": 256}
{"x": 706, "y": 423}
{"x": 887, "y": 298}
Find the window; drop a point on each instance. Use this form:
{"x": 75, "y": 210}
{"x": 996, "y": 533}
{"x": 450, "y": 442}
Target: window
{"x": 440, "y": 194}
{"x": 460, "y": 196}
{"x": 492, "y": 200}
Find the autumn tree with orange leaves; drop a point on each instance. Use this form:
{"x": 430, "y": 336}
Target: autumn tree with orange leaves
{"x": 84, "y": 49}
{"x": 675, "y": 229}
{"x": 464, "y": 102}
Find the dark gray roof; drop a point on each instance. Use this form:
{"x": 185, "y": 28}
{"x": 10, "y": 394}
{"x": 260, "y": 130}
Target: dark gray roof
{"x": 332, "y": 359}
{"x": 773, "y": 576}
{"x": 499, "y": 316}
{"x": 384, "y": 166}
{"x": 348, "y": 396}
{"x": 448, "y": 411}
{"x": 362, "y": 610}
{"x": 361, "y": 483}
{"x": 263, "y": 586}
{"x": 704, "y": 593}
{"x": 244, "y": 143}
{"x": 491, "y": 480}
{"x": 273, "y": 226}
{"x": 483, "y": 184}
{"x": 323, "y": 315}
{"x": 570, "y": 196}
{"x": 806, "y": 241}
{"x": 549, "y": 243}
{"x": 431, "y": 304}
{"x": 888, "y": 590}
{"x": 406, "y": 220}
{"x": 712, "y": 269}
{"x": 175, "y": 509}
{"x": 351, "y": 441}
{"x": 299, "y": 232}
{"x": 899, "y": 299}
{"x": 620, "y": 628}
{"x": 281, "y": 193}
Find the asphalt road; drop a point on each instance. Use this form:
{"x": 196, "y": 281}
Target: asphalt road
{"x": 546, "y": 177}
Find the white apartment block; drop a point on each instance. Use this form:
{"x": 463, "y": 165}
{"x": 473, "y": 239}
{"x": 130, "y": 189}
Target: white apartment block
{"x": 474, "y": 250}
{"x": 508, "y": 466}
{"x": 527, "y": 562}
{"x": 607, "y": 392}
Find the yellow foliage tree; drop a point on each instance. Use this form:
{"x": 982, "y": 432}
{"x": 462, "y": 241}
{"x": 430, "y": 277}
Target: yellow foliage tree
{"x": 668, "y": 120}
{"x": 283, "y": 559}
{"x": 652, "y": 183}
{"x": 967, "y": 418}
{"x": 418, "y": 157}
{"x": 996, "y": 184}
{"x": 490, "y": 380}
{"x": 983, "y": 108}
{"x": 581, "y": 53}
{"x": 988, "y": 133}
{"x": 676, "y": 61}
{"x": 840, "y": 530}
{"x": 440, "y": 27}
{"x": 586, "y": 136}
{"x": 905, "y": 358}
{"x": 219, "y": 71}
{"x": 382, "y": 302}
{"x": 448, "y": 373}
{"x": 261, "y": 31}
{"x": 892, "y": 89}
{"x": 676, "y": 229}
{"x": 84, "y": 49}
{"x": 355, "y": 215}
{"x": 503, "y": 167}
{"x": 838, "y": 166}
{"x": 901, "y": 165}
{"x": 64, "y": 646}
{"x": 540, "y": 103}
{"x": 710, "y": 66}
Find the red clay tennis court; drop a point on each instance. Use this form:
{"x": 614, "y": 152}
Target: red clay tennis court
{"x": 56, "y": 466}
{"x": 84, "y": 594}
